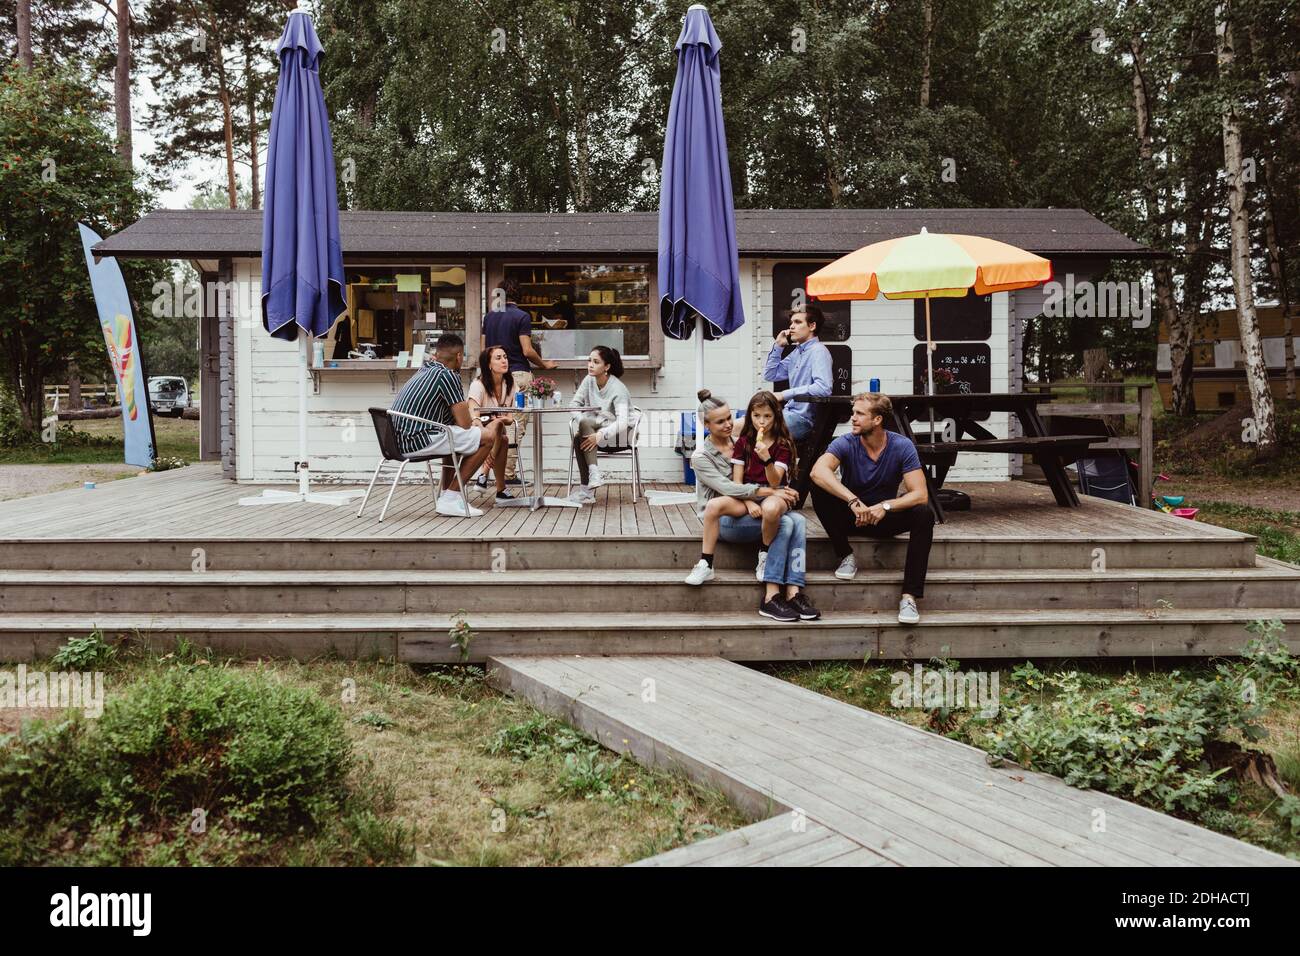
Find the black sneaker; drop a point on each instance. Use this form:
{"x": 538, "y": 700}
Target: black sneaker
{"x": 481, "y": 481}
{"x": 514, "y": 481}
{"x": 505, "y": 496}
{"x": 778, "y": 610}
{"x": 803, "y": 607}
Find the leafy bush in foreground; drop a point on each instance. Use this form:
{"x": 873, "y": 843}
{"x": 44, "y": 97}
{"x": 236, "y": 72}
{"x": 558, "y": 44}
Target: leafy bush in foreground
{"x": 270, "y": 756}
{"x": 254, "y": 756}
{"x": 1167, "y": 742}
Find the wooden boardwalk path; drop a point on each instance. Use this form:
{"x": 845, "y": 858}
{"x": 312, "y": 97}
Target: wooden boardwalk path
{"x": 833, "y": 784}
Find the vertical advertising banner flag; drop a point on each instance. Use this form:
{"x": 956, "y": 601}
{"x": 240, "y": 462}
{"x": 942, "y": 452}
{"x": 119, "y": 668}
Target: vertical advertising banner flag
{"x": 118, "y": 325}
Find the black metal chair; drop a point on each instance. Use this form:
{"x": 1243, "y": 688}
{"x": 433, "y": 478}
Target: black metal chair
{"x": 635, "y": 418}
{"x": 390, "y": 450}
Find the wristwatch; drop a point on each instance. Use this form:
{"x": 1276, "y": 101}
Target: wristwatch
{"x": 886, "y": 505}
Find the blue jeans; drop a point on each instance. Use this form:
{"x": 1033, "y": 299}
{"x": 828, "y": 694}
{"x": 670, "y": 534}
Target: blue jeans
{"x": 786, "y": 555}
{"x": 799, "y": 421}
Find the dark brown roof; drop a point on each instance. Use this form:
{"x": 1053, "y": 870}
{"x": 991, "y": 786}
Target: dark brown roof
{"x": 209, "y": 233}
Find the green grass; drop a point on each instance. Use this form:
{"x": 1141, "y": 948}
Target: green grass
{"x": 100, "y": 442}
{"x": 447, "y": 771}
{"x": 1278, "y": 531}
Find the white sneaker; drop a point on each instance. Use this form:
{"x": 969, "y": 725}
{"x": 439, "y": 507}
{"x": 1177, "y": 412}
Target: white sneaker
{"x": 594, "y": 478}
{"x": 907, "y": 612}
{"x": 451, "y": 504}
{"x": 583, "y": 495}
{"x": 700, "y": 573}
{"x": 762, "y": 563}
{"x": 848, "y": 568}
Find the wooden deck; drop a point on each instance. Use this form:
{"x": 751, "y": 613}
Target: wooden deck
{"x": 197, "y": 502}
{"x": 175, "y": 554}
{"x": 835, "y": 785}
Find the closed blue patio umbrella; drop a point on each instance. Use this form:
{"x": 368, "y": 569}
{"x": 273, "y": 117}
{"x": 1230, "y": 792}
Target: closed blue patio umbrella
{"x": 302, "y": 256}
{"x": 699, "y": 269}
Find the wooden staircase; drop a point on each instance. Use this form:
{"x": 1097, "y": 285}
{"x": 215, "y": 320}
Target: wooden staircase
{"x": 174, "y": 554}
{"x": 993, "y": 596}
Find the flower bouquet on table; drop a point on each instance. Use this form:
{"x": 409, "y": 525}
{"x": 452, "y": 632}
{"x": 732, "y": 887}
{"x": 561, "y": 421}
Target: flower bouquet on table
{"x": 539, "y": 390}
{"x": 945, "y": 381}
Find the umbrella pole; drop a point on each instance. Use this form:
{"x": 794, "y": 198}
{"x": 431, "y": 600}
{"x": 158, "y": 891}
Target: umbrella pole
{"x": 275, "y": 496}
{"x": 699, "y": 379}
{"x": 929, "y": 363}
{"x": 304, "y": 477}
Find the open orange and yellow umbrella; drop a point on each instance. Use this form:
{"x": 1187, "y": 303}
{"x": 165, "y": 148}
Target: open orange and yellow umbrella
{"x": 925, "y": 266}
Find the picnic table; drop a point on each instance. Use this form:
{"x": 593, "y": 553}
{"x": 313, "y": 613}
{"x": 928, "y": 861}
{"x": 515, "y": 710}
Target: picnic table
{"x": 1050, "y": 452}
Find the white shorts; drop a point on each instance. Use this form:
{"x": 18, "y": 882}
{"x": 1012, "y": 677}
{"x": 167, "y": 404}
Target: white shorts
{"x": 464, "y": 441}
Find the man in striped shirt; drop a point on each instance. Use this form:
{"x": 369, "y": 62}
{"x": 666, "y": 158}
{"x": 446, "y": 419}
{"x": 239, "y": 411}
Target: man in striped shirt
{"x": 434, "y": 393}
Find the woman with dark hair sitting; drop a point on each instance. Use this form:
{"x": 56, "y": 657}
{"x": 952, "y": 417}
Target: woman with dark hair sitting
{"x": 494, "y": 387}
{"x": 603, "y": 387}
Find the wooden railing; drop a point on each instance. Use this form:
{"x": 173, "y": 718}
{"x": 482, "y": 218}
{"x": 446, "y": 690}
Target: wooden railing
{"x": 1143, "y": 442}
{"x": 57, "y": 396}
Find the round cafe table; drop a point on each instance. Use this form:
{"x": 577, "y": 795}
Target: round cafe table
{"x": 534, "y": 501}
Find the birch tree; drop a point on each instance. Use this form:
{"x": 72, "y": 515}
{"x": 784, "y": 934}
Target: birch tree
{"x": 1261, "y": 394}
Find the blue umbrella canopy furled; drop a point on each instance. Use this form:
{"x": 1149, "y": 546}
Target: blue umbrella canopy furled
{"x": 302, "y": 258}
{"x": 699, "y": 272}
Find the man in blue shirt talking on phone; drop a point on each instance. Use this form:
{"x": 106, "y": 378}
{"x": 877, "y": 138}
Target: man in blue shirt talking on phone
{"x": 806, "y": 370}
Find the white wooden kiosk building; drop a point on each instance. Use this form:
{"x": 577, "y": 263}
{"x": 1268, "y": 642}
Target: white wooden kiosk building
{"x": 412, "y": 274}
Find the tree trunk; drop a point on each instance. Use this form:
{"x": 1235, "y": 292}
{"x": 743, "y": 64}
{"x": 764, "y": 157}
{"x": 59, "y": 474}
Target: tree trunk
{"x": 1261, "y": 396}
{"x": 24, "y": 26}
{"x": 224, "y": 92}
{"x": 253, "y": 133}
{"x": 1277, "y": 265}
{"x": 74, "y": 386}
{"x": 927, "y": 44}
{"x": 1183, "y": 332}
{"x": 582, "y": 140}
{"x": 218, "y": 47}
{"x": 1162, "y": 275}
{"x": 1097, "y": 368}
{"x": 834, "y": 175}
{"x": 122, "y": 84}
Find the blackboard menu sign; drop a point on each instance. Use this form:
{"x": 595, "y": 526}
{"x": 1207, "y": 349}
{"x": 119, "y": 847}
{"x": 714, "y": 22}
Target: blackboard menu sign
{"x": 955, "y": 320}
{"x": 969, "y": 362}
{"x": 841, "y": 369}
{"x": 788, "y": 280}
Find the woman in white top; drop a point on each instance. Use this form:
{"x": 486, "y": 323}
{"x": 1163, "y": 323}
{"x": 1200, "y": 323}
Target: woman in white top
{"x": 493, "y": 387}
{"x": 604, "y": 388}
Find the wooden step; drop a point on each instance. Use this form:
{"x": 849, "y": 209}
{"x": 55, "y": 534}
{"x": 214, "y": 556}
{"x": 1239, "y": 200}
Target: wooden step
{"x": 741, "y": 636}
{"x": 648, "y": 591}
{"x": 1216, "y": 548}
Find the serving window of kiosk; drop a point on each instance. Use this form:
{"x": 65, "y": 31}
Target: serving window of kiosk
{"x": 394, "y": 309}
{"x": 577, "y": 306}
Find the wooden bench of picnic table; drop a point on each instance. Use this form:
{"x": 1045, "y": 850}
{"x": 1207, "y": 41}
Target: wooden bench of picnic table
{"x": 1058, "y": 449}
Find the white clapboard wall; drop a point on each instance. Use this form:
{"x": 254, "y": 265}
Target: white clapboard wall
{"x": 341, "y": 441}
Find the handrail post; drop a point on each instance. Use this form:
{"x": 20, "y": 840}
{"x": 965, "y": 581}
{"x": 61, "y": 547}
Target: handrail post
{"x": 1146, "y": 460}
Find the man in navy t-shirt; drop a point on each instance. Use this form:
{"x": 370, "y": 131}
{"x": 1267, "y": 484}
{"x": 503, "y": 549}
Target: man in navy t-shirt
{"x": 864, "y": 498}
{"x": 512, "y": 329}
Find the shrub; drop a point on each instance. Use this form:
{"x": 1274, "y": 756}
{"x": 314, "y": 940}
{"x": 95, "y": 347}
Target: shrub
{"x": 1155, "y": 741}
{"x": 168, "y": 464}
{"x": 268, "y": 756}
{"x": 85, "y": 653}
{"x": 44, "y": 768}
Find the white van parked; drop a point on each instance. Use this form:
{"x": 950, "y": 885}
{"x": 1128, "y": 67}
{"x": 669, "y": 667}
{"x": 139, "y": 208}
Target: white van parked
{"x": 168, "y": 395}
